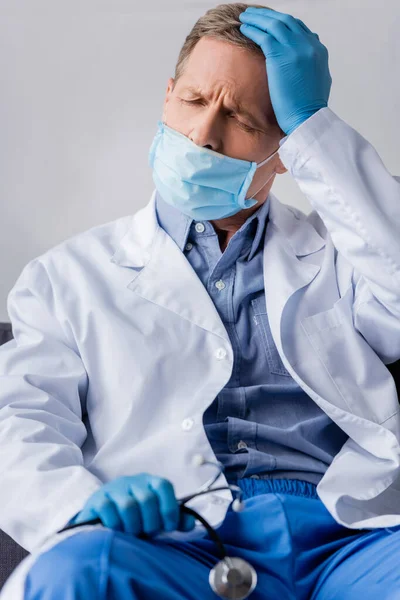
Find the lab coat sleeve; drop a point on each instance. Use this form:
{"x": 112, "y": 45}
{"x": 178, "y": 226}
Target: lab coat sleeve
{"x": 43, "y": 386}
{"x": 358, "y": 200}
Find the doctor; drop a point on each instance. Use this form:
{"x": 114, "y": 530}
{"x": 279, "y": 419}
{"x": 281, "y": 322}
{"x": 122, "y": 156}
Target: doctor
{"x": 216, "y": 321}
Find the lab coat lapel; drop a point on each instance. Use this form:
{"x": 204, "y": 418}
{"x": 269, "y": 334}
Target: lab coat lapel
{"x": 284, "y": 274}
{"x": 163, "y": 275}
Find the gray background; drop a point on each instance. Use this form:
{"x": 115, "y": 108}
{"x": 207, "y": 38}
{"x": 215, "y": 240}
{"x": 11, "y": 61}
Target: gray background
{"x": 82, "y": 84}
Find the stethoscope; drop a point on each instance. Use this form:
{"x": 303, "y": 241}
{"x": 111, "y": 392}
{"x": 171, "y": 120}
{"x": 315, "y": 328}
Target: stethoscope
{"x": 232, "y": 577}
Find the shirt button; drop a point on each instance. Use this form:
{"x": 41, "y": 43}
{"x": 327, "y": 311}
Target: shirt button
{"x": 255, "y": 476}
{"x": 242, "y": 444}
{"x": 187, "y": 424}
{"x": 220, "y": 284}
{"x": 188, "y": 246}
{"x": 220, "y": 353}
{"x": 199, "y": 227}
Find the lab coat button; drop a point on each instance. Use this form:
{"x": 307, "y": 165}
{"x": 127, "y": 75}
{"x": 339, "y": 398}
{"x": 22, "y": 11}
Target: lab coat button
{"x": 220, "y": 284}
{"x": 242, "y": 444}
{"x": 199, "y": 227}
{"x": 220, "y": 353}
{"x": 187, "y": 424}
{"x": 188, "y": 246}
{"x": 198, "y": 460}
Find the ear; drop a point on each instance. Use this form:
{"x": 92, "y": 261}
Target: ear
{"x": 168, "y": 92}
{"x": 280, "y": 167}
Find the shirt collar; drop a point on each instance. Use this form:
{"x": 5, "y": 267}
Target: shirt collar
{"x": 177, "y": 225}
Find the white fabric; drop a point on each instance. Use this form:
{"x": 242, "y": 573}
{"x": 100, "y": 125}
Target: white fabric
{"x": 115, "y": 321}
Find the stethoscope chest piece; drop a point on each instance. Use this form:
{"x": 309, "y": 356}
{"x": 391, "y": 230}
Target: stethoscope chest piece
{"x": 233, "y": 578}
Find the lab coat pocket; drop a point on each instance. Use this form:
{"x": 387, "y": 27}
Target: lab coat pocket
{"x": 363, "y": 382}
{"x": 260, "y": 317}
{"x": 333, "y": 317}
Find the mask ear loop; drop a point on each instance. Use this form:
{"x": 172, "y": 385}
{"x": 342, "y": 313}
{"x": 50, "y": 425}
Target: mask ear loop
{"x": 260, "y": 165}
{"x": 265, "y": 183}
{"x": 267, "y": 159}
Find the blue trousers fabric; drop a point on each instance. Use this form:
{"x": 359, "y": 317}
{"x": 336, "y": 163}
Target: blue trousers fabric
{"x": 298, "y": 550}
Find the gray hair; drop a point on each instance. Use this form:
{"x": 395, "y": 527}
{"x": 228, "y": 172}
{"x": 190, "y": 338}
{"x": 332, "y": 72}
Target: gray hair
{"x": 221, "y": 23}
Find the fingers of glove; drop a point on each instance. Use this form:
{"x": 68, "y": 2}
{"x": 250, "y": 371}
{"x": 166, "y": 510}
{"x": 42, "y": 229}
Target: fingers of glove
{"x": 168, "y": 504}
{"x": 268, "y": 25}
{"x": 104, "y": 507}
{"x": 288, "y": 20}
{"x": 304, "y": 26}
{"x": 149, "y": 508}
{"x": 186, "y": 522}
{"x": 285, "y": 21}
{"x": 129, "y": 511}
{"x": 266, "y": 41}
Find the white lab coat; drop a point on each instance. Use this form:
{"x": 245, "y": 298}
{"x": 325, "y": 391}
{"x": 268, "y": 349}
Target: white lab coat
{"x": 115, "y": 322}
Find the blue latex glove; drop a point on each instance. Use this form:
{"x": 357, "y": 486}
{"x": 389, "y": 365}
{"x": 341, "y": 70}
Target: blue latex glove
{"x": 299, "y": 80}
{"x": 136, "y": 504}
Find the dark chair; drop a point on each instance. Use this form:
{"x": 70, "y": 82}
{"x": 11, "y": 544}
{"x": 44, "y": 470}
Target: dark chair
{"x": 11, "y": 553}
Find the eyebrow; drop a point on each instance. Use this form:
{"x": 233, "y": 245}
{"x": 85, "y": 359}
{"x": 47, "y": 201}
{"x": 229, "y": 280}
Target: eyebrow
{"x": 237, "y": 107}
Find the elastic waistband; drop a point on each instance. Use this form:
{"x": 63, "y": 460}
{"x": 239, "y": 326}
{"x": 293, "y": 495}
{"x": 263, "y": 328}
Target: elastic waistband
{"x": 297, "y": 487}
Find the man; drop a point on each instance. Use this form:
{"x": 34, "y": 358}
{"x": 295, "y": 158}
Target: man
{"x": 216, "y": 323}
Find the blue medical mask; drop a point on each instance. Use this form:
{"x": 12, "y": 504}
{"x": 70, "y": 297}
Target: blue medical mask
{"x": 201, "y": 183}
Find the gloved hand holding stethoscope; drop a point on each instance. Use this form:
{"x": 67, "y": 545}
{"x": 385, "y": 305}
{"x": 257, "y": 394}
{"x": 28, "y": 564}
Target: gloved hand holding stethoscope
{"x": 145, "y": 505}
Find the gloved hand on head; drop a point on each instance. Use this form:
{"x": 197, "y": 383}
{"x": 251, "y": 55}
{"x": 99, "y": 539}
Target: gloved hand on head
{"x": 297, "y": 68}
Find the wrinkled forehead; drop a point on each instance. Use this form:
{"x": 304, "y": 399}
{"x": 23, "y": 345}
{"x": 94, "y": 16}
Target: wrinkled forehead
{"x": 217, "y": 69}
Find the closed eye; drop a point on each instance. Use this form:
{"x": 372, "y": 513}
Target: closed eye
{"x": 240, "y": 123}
{"x": 192, "y": 101}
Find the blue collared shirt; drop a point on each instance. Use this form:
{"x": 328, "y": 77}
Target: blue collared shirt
{"x": 262, "y": 423}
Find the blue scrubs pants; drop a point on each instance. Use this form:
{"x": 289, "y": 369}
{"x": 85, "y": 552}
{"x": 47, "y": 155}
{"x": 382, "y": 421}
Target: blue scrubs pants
{"x": 298, "y": 550}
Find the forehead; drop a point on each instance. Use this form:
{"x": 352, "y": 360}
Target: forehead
{"x": 218, "y": 67}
